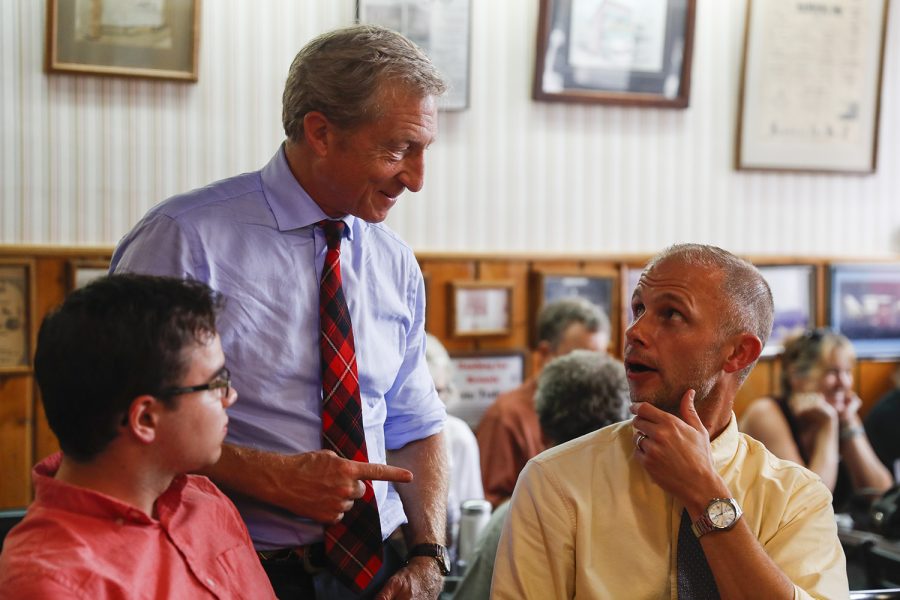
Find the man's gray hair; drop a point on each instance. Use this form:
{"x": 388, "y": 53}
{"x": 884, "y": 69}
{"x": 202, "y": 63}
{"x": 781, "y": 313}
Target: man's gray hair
{"x": 579, "y": 393}
{"x": 748, "y": 298}
{"x": 555, "y": 317}
{"x": 342, "y": 74}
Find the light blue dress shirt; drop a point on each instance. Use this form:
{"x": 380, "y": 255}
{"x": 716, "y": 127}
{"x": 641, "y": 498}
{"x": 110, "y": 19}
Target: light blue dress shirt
{"x": 253, "y": 238}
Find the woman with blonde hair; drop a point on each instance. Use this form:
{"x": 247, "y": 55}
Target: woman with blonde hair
{"x": 815, "y": 420}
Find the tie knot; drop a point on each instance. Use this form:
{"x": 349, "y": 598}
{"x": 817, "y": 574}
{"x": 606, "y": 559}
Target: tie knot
{"x": 333, "y": 231}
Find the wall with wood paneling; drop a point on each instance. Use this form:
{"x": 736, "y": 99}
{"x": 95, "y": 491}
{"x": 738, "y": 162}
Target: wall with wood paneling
{"x": 25, "y": 436}
{"x": 82, "y": 157}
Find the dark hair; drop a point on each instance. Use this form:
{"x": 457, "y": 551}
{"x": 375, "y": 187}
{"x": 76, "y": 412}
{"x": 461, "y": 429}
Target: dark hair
{"x": 579, "y": 393}
{"x": 115, "y": 339}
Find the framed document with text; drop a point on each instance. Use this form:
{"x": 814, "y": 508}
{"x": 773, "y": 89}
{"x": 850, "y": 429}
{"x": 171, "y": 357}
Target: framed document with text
{"x": 482, "y": 376}
{"x": 811, "y": 87}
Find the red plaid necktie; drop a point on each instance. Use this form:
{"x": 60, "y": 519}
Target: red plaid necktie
{"x": 353, "y": 546}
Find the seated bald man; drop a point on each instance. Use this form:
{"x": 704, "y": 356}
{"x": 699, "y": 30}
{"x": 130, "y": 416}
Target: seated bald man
{"x": 676, "y": 502}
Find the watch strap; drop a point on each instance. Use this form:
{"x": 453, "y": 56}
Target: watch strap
{"x": 436, "y": 551}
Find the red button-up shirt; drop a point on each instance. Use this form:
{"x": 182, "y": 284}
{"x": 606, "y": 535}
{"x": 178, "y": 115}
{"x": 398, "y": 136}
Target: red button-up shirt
{"x": 78, "y": 543}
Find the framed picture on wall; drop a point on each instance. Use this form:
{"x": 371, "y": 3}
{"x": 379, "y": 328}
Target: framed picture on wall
{"x": 133, "y": 38}
{"x": 632, "y": 52}
{"x": 481, "y": 308}
{"x": 811, "y": 86}
{"x": 82, "y": 272}
{"x": 865, "y": 306}
{"x": 597, "y": 289}
{"x": 479, "y": 377}
{"x": 443, "y": 31}
{"x": 16, "y": 313}
{"x": 794, "y": 292}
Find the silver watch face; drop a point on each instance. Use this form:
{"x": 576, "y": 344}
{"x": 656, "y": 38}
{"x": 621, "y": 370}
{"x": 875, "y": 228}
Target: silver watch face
{"x": 722, "y": 513}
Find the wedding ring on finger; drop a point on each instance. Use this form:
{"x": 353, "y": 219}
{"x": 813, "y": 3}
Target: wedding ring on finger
{"x": 640, "y": 438}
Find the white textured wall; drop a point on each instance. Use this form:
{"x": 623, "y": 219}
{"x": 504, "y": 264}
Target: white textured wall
{"x": 82, "y": 158}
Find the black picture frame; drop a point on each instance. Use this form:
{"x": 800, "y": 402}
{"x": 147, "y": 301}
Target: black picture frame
{"x": 864, "y": 305}
{"x": 794, "y": 294}
{"x": 615, "y": 52}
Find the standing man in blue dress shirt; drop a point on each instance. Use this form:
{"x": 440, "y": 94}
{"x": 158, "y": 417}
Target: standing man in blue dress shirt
{"x": 359, "y": 112}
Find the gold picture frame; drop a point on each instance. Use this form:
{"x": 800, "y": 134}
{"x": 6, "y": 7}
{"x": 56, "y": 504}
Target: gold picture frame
{"x": 16, "y": 315}
{"x": 480, "y": 308}
{"x": 151, "y": 39}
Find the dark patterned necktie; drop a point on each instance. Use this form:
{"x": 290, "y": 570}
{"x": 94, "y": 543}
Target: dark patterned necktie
{"x": 695, "y": 579}
{"x": 353, "y": 546}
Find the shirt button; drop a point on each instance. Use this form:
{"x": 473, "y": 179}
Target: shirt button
{"x": 210, "y": 582}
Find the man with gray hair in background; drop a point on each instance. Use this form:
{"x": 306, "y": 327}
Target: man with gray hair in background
{"x": 577, "y": 393}
{"x": 509, "y": 432}
{"x": 324, "y": 326}
{"x": 676, "y": 502}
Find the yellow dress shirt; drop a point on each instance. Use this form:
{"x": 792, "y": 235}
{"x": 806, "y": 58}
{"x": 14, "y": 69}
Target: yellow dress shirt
{"x": 586, "y": 521}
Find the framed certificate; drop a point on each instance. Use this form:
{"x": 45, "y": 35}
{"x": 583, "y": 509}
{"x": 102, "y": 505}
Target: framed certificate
{"x": 811, "y": 87}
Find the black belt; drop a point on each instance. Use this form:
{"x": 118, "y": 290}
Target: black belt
{"x": 311, "y": 556}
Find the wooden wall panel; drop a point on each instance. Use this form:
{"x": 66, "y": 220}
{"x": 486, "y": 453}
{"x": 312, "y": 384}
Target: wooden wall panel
{"x": 438, "y": 275}
{"x": 517, "y": 272}
{"x": 53, "y": 281}
{"x": 15, "y": 440}
{"x": 874, "y": 380}
{"x": 762, "y": 381}
{"x": 25, "y": 437}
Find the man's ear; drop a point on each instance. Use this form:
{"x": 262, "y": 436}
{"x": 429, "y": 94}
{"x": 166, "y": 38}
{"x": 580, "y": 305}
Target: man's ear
{"x": 142, "y": 419}
{"x": 318, "y": 132}
{"x": 745, "y": 348}
{"x": 542, "y": 355}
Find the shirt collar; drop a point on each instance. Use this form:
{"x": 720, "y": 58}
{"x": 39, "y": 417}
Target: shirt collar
{"x": 291, "y": 205}
{"x": 725, "y": 445}
{"x": 60, "y": 495}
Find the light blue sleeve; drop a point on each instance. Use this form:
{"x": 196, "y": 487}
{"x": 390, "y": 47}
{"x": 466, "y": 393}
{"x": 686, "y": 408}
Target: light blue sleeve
{"x": 414, "y": 410}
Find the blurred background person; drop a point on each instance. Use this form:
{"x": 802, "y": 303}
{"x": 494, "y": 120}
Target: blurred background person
{"x": 509, "y": 432}
{"x": 462, "y": 447}
{"x": 815, "y": 420}
{"x": 883, "y": 428}
{"x": 576, "y": 394}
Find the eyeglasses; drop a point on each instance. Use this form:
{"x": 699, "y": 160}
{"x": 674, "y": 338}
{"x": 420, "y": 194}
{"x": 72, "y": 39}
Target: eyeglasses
{"x": 221, "y": 382}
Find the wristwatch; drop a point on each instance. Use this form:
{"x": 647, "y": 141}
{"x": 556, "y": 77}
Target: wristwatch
{"x": 720, "y": 515}
{"x": 436, "y": 551}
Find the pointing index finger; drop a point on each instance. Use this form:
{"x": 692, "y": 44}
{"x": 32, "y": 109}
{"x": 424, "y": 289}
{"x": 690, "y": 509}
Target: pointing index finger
{"x": 381, "y": 472}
